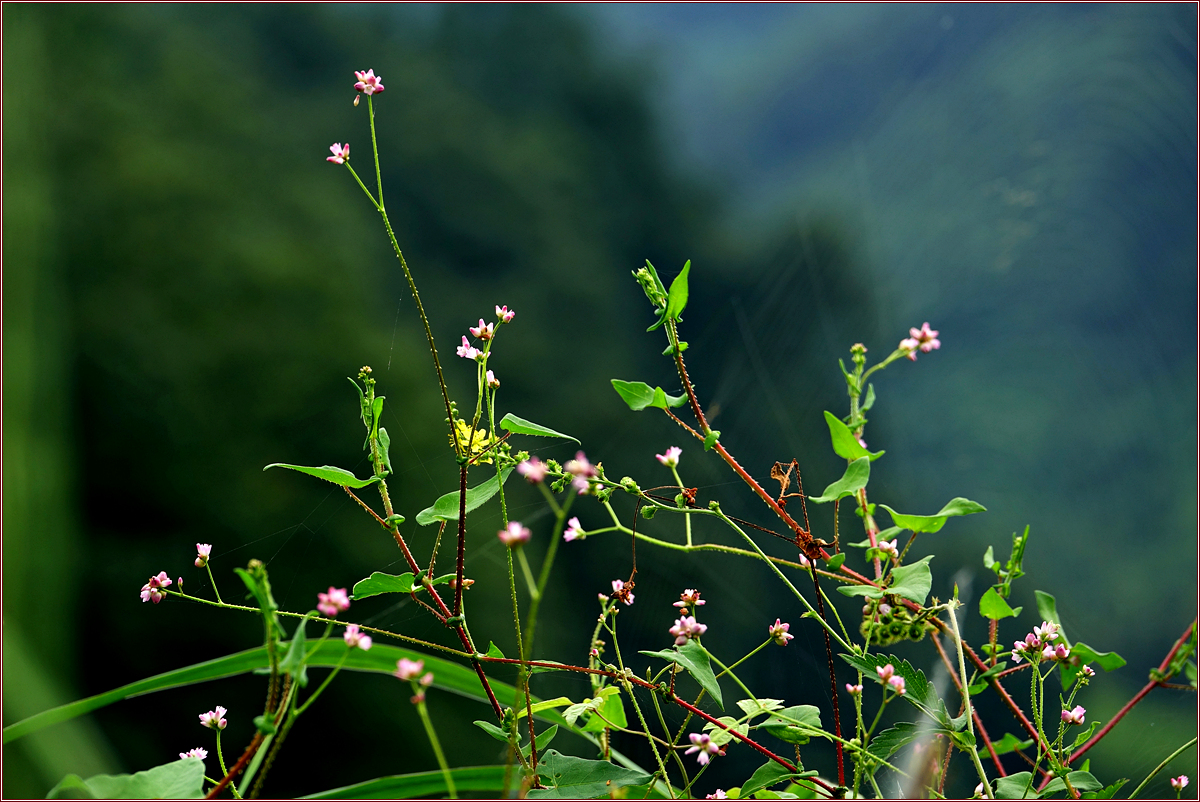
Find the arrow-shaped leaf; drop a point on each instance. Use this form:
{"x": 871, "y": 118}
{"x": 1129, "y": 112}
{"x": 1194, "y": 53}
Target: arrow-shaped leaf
{"x": 511, "y": 423}
{"x": 933, "y": 523}
{"x": 446, "y": 507}
{"x": 845, "y": 444}
{"x": 854, "y": 479}
{"x": 339, "y": 476}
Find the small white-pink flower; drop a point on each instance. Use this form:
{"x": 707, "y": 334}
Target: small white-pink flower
{"x": 533, "y": 469}
{"x": 202, "y": 552}
{"x": 468, "y": 351}
{"x": 897, "y": 682}
{"x": 340, "y": 153}
{"x": 409, "y": 669}
{"x": 926, "y": 338}
{"x": 153, "y": 591}
{"x": 514, "y": 534}
{"x": 685, "y": 628}
{"x": 671, "y": 457}
{"x": 483, "y": 331}
{"x": 504, "y": 314}
{"x": 1074, "y": 716}
{"x": 368, "y": 82}
{"x": 702, "y": 743}
{"x": 492, "y": 381}
{"x": 690, "y": 598}
{"x": 355, "y": 637}
{"x": 779, "y": 632}
{"x": 885, "y": 672}
{"x": 214, "y": 719}
{"x": 853, "y": 690}
{"x": 1180, "y": 782}
{"x": 573, "y": 531}
{"x": 197, "y": 752}
{"x": 333, "y": 602}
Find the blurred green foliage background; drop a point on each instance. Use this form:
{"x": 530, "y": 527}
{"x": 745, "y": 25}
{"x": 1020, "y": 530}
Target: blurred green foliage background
{"x": 188, "y": 282}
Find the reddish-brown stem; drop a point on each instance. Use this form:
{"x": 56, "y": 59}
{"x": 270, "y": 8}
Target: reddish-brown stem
{"x": 837, "y": 715}
{"x": 1163, "y": 666}
{"x": 255, "y": 743}
{"x": 992, "y": 627}
{"x": 462, "y": 538}
{"x": 974, "y": 714}
{"x": 861, "y": 496}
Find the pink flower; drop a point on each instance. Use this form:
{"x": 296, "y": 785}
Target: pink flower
{"x": 702, "y": 743}
{"x": 717, "y": 794}
{"x": 978, "y": 791}
{"x": 426, "y": 680}
{"x": 671, "y": 457}
{"x": 214, "y": 719}
{"x": 1061, "y": 652}
{"x": 534, "y": 470}
{"x": 333, "y": 602}
{"x": 581, "y": 484}
{"x": 911, "y": 347}
{"x": 685, "y": 628}
{"x": 504, "y": 314}
{"x": 409, "y": 669}
{"x": 492, "y": 381}
{"x": 1073, "y": 716}
{"x": 580, "y": 465}
{"x": 573, "y": 531}
{"x": 690, "y": 598}
{"x": 890, "y": 548}
{"x": 153, "y": 590}
{"x": 1048, "y": 652}
{"x": 515, "y": 535}
{"x": 368, "y": 82}
{"x": 622, "y": 593}
{"x": 1087, "y": 671}
{"x": 340, "y": 153}
{"x": 1180, "y": 782}
{"x": 926, "y": 338}
{"x": 1047, "y": 632}
{"x": 483, "y": 331}
{"x": 779, "y": 632}
{"x": 197, "y": 752}
{"x": 354, "y": 637}
{"x": 886, "y": 672}
{"x": 468, "y": 351}
{"x": 202, "y": 552}
{"x": 804, "y": 561}
{"x": 897, "y": 682}
{"x": 853, "y": 690}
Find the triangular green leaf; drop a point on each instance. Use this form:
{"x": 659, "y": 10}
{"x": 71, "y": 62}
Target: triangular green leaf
{"x": 992, "y": 605}
{"x": 771, "y": 773}
{"x": 446, "y": 507}
{"x": 913, "y": 581}
{"x": 695, "y": 660}
{"x": 933, "y": 523}
{"x": 488, "y": 780}
{"x": 677, "y": 296}
{"x": 180, "y": 779}
{"x": 795, "y": 725}
{"x": 639, "y": 395}
{"x": 385, "y": 445}
{"x": 378, "y": 583}
{"x": 339, "y": 476}
{"x": 569, "y": 777}
{"x": 845, "y": 445}
{"x": 854, "y": 479}
{"x": 511, "y": 423}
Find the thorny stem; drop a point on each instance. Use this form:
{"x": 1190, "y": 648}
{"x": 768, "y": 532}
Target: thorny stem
{"x": 251, "y": 748}
{"x": 837, "y": 715}
{"x": 987, "y": 741}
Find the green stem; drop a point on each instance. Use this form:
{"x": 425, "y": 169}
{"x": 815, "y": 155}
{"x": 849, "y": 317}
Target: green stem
{"x": 729, "y": 670}
{"x": 544, "y": 576}
{"x": 322, "y": 686}
{"x": 213, "y": 581}
{"x": 529, "y": 581}
{"x": 966, "y": 694}
{"x": 363, "y": 186}
{"x": 437, "y": 748}
{"x": 687, "y": 518}
{"x": 1162, "y": 766}
{"x": 225, "y": 771}
{"x": 662, "y": 767}
{"x": 375, "y": 149}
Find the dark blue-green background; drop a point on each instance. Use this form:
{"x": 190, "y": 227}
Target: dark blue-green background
{"x": 188, "y": 282}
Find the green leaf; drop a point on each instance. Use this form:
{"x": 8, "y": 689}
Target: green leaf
{"x": 446, "y": 507}
{"x": 639, "y": 395}
{"x": 1048, "y": 610}
{"x": 869, "y": 399}
{"x": 363, "y": 408}
{"x": 989, "y": 559}
{"x": 771, "y": 773}
{"x": 835, "y": 562}
{"x": 612, "y": 709}
{"x": 754, "y": 707}
{"x": 294, "y": 659}
{"x": 795, "y": 725}
{"x": 1081, "y": 780}
{"x": 511, "y": 423}
{"x": 695, "y": 660}
{"x": 891, "y": 741}
{"x": 870, "y": 591}
{"x": 913, "y": 581}
{"x": 722, "y": 731}
{"x": 1016, "y": 786}
{"x": 494, "y": 650}
{"x": 1082, "y": 737}
{"x": 1108, "y": 793}
{"x": 339, "y": 476}
{"x": 933, "y": 523}
{"x": 1009, "y": 743}
{"x": 385, "y": 445}
{"x": 845, "y": 445}
{"x": 569, "y": 777}
{"x": 918, "y": 691}
{"x": 378, "y": 583}
{"x": 422, "y": 785}
{"x": 376, "y": 414}
{"x": 1109, "y": 661}
{"x": 992, "y": 605}
{"x": 542, "y": 740}
{"x": 180, "y": 779}
{"x": 711, "y": 439}
{"x": 854, "y": 479}
{"x": 549, "y": 704}
{"x": 492, "y": 730}
{"x": 677, "y": 296}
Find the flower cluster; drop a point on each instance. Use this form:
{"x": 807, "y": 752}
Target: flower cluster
{"x": 354, "y": 637}
{"x": 853, "y": 690}
{"x": 483, "y": 331}
{"x": 514, "y": 535}
{"x": 622, "y": 592}
{"x": 504, "y": 314}
{"x": 574, "y": 530}
{"x": 779, "y": 632}
{"x": 923, "y": 339}
{"x": 197, "y": 752}
{"x": 468, "y": 351}
{"x": 890, "y": 548}
{"x": 153, "y": 590}
{"x": 1074, "y": 716}
{"x": 1180, "y": 782}
{"x": 202, "y": 552}
{"x": 582, "y": 471}
{"x": 534, "y": 471}
{"x": 685, "y": 628}
{"x": 888, "y": 674}
{"x": 702, "y": 743}
{"x": 410, "y": 670}
{"x": 214, "y": 719}
{"x": 340, "y": 153}
{"x": 368, "y": 82}
{"x": 1039, "y": 645}
{"x": 333, "y": 602}
{"x": 671, "y": 457}
{"x": 689, "y": 598}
